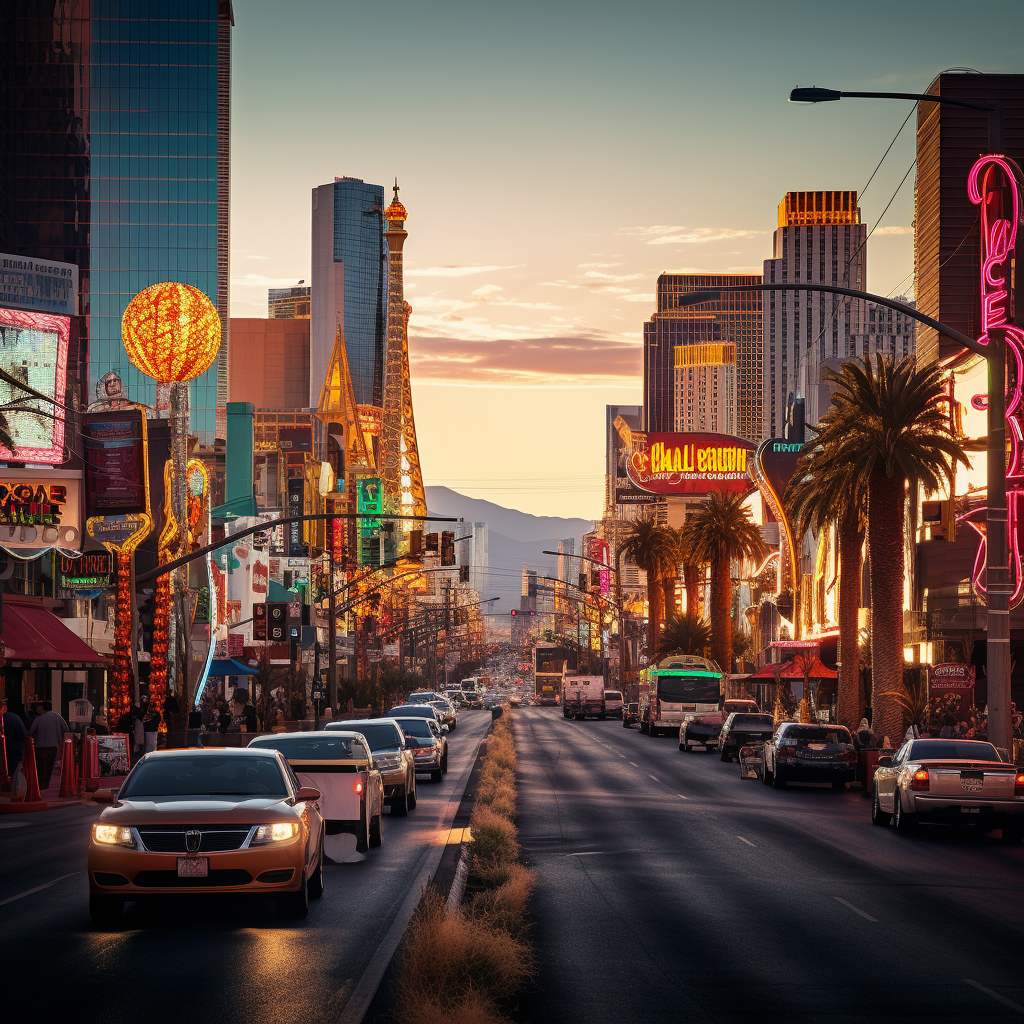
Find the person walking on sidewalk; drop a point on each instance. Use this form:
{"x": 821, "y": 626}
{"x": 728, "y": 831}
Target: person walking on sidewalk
{"x": 48, "y": 730}
{"x": 151, "y": 719}
{"x": 14, "y": 737}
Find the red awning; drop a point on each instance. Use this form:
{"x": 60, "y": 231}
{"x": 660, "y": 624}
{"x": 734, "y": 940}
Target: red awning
{"x": 792, "y": 669}
{"x": 33, "y": 634}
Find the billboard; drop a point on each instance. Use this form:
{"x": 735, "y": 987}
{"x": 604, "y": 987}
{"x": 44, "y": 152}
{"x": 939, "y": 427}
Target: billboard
{"x": 115, "y": 462}
{"x": 92, "y": 571}
{"x": 40, "y": 509}
{"x": 688, "y": 463}
{"x": 296, "y": 497}
{"x": 34, "y": 352}
{"x": 42, "y": 286}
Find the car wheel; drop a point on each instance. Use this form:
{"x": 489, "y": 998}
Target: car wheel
{"x": 105, "y": 910}
{"x": 411, "y": 802}
{"x": 841, "y": 786}
{"x": 400, "y": 803}
{"x": 725, "y": 755}
{"x": 766, "y": 778}
{"x": 316, "y": 880}
{"x": 444, "y": 764}
{"x": 294, "y": 905}
{"x": 625, "y": 723}
{"x": 435, "y": 776}
{"x": 903, "y": 821}
{"x": 363, "y": 839}
{"x": 878, "y": 816}
{"x": 778, "y": 780}
{"x": 376, "y": 835}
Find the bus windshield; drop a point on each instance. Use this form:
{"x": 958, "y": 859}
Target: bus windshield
{"x": 688, "y": 689}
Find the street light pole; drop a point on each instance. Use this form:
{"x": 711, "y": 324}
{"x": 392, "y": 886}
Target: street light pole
{"x": 999, "y": 587}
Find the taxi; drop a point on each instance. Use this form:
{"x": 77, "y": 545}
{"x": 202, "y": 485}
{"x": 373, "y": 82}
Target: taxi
{"x": 340, "y": 765}
{"x": 204, "y": 822}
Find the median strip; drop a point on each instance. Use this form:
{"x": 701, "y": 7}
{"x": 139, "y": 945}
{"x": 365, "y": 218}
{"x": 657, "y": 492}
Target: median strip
{"x": 856, "y": 910}
{"x": 38, "y": 888}
{"x": 995, "y": 995}
{"x": 747, "y": 841}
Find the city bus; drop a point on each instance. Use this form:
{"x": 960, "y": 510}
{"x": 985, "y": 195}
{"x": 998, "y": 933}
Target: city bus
{"x": 679, "y": 685}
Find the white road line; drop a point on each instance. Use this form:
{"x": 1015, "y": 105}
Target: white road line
{"x": 747, "y": 841}
{"x": 38, "y": 888}
{"x": 655, "y": 777}
{"x": 856, "y": 910}
{"x": 995, "y": 995}
{"x": 634, "y": 764}
{"x": 14, "y": 824}
{"x": 681, "y": 797}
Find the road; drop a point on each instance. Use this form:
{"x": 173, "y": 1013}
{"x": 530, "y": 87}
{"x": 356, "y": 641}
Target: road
{"x": 207, "y": 960}
{"x": 670, "y": 889}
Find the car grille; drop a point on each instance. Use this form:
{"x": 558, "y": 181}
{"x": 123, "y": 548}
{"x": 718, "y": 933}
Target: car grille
{"x": 213, "y": 838}
{"x": 170, "y": 879}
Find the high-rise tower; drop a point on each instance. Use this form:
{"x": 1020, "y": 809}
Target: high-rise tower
{"x": 399, "y": 454}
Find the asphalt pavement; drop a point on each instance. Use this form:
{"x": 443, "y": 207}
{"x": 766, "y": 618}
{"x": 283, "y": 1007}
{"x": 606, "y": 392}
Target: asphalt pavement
{"x": 209, "y": 959}
{"x": 670, "y": 889}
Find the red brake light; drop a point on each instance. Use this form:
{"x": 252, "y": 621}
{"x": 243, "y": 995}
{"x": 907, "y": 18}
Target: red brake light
{"x": 1018, "y": 786}
{"x": 782, "y": 751}
{"x": 920, "y": 780}
{"x": 359, "y": 787}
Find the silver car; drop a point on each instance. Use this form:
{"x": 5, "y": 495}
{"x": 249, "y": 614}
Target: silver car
{"x": 962, "y": 782}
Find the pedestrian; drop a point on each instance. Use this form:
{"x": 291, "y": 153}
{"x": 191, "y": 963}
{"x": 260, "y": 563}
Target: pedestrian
{"x": 243, "y": 714}
{"x": 99, "y": 724}
{"x": 48, "y": 730}
{"x": 136, "y": 734}
{"x": 151, "y": 720}
{"x": 864, "y": 738}
{"x": 948, "y": 730}
{"x": 14, "y": 737}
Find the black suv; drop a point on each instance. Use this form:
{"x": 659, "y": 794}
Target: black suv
{"x": 742, "y": 729}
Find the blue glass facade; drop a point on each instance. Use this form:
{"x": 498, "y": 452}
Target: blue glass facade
{"x": 359, "y": 243}
{"x": 154, "y": 99}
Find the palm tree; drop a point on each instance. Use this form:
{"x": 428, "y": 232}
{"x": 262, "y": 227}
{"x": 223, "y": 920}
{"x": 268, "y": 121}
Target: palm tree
{"x": 652, "y": 548}
{"x": 719, "y": 532}
{"x": 683, "y": 635}
{"x": 825, "y": 492}
{"x": 888, "y": 427}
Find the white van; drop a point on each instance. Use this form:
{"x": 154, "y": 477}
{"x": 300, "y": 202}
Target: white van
{"x": 613, "y": 703}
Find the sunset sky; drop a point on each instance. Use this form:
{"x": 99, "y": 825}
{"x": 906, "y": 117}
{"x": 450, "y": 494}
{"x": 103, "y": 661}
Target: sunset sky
{"x": 555, "y": 158}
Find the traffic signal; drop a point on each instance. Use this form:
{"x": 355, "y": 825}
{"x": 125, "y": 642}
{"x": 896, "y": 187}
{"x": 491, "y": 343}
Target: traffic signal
{"x": 447, "y": 547}
{"x": 259, "y": 622}
{"x": 463, "y": 573}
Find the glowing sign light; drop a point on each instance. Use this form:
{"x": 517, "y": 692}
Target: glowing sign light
{"x": 996, "y": 184}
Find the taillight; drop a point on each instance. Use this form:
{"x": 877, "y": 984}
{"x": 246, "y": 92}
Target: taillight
{"x": 920, "y": 781}
{"x": 1018, "y": 786}
{"x": 785, "y": 752}
{"x": 359, "y": 787}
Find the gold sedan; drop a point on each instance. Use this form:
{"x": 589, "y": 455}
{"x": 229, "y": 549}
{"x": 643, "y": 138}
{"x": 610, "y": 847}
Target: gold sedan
{"x": 189, "y": 822}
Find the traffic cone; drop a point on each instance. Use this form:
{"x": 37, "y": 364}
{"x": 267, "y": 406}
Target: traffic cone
{"x": 32, "y": 794}
{"x": 92, "y": 768}
{"x": 68, "y": 778}
{"x": 5, "y": 779}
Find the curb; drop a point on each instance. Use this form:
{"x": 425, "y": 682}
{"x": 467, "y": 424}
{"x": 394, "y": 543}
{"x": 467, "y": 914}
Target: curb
{"x": 358, "y": 1005}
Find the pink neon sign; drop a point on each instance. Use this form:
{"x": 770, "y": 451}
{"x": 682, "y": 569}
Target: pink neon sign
{"x": 996, "y": 185}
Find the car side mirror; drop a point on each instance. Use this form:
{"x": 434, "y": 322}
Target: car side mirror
{"x": 307, "y": 793}
{"x": 444, "y": 728}
{"x": 885, "y": 761}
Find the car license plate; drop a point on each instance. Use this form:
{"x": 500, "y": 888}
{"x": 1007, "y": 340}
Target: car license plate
{"x": 816, "y": 746}
{"x": 970, "y": 810}
{"x": 193, "y": 867}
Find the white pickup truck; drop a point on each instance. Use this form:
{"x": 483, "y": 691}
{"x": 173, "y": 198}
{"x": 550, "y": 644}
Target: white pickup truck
{"x": 583, "y": 696}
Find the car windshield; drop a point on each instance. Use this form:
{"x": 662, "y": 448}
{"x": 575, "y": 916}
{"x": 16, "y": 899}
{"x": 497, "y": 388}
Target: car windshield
{"x": 204, "y": 777}
{"x": 688, "y": 689}
{"x": 311, "y": 747}
{"x": 380, "y": 735}
{"x": 953, "y": 750}
{"x": 418, "y": 727}
{"x": 412, "y": 710}
{"x": 818, "y": 734}
{"x": 633, "y": 706}
{"x": 760, "y": 721}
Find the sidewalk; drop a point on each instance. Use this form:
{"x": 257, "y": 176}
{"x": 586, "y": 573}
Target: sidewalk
{"x": 48, "y": 798}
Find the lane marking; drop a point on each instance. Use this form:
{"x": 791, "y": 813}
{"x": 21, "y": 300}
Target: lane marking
{"x": 655, "y": 777}
{"x": 747, "y": 841}
{"x": 681, "y": 797}
{"x": 14, "y": 824}
{"x": 634, "y": 764}
{"x": 856, "y": 910}
{"x": 995, "y": 995}
{"x": 38, "y": 888}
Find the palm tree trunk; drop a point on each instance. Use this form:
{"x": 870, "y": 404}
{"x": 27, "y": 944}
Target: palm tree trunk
{"x": 655, "y": 600}
{"x": 851, "y": 540}
{"x": 721, "y": 609}
{"x": 691, "y": 583}
{"x": 885, "y": 552}
{"x": 668, "y": 591}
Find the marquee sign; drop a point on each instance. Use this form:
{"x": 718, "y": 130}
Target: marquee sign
{"x": 996, "y": 186}
{"x": 687, "y": 463}
{"x": 40, "y": 509}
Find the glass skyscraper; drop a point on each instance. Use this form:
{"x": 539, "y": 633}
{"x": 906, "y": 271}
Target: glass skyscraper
{"x": 115, "y": 157}
{"x": 350, "y": 283}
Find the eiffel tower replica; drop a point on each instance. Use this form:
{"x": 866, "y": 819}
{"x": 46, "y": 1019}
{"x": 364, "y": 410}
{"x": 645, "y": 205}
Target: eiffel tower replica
{"x": 338, "y": 411}
{"x": 399, "y": 454}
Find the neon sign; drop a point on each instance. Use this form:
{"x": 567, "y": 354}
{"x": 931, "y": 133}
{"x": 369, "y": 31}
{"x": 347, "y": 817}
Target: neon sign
{"x": 996, "y": 184}
{"x": 686, "y": 463}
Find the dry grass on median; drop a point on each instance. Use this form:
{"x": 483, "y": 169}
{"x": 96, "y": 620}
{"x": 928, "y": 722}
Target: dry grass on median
{"x": 458, "y": 968}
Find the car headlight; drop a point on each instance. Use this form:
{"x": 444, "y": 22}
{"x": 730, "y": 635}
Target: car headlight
{"x": 279, "y": 832}
{"x": 113, "y": 835}
{"x": 387, "y": 764}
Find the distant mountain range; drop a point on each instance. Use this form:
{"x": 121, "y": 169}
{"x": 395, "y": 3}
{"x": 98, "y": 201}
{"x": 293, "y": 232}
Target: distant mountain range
{"x": 514, "y": 537}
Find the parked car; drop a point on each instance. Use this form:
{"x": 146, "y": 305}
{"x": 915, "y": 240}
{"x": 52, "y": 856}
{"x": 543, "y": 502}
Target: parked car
{"x": 339, "y": 764}
{"x": 208, "y": 822}
{"x": 446, "y": 712}
{"x": 630, "y": 714}
{"x": 416, "y": 711}
{"x": 430, "y": 754}
{"x": 953, "y": 781}
{"x": 741, "y": 729}
{"x": 704, "y": 730}
{"x": 613, "y": 703}
{"x": 809, "y": 753}
{"x": 392, "y": 757}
